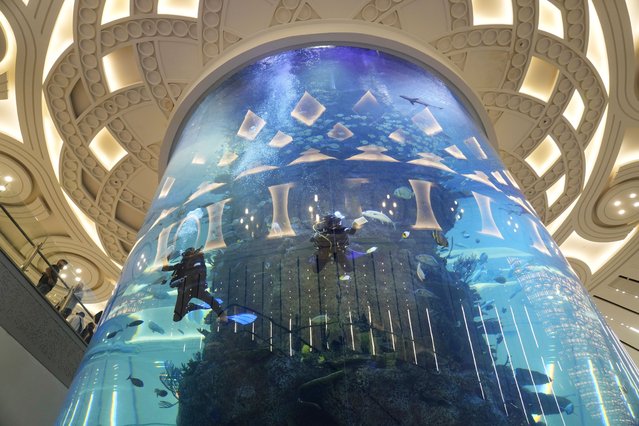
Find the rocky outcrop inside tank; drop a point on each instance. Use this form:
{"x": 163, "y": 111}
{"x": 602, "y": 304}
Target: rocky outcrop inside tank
{"x": 239, "y": 381}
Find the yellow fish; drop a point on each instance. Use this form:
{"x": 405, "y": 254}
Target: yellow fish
{"x": 405, "y": 234}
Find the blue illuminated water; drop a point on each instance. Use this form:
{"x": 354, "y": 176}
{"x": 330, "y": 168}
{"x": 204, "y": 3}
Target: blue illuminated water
{"x": 454, "y": 304}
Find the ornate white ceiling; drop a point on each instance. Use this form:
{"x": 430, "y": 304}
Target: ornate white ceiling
{"x": 87, "y": 89}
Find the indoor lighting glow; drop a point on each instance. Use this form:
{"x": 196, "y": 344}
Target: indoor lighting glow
{"x": 78, "y": 270}
{"x": 633, "y": 13}
{"x": 540, "y": 79}
{"x": 635, "y": 204}
{"x": 544, "y": 156}
{"x": 106, "y": 149}
{"x": 61, "y": 36}
{"x": 280, "y": 140}
{"x": 87, "y": 224}
{"x": 550, "y": 19}
{"x": 311, "y": 156}
{"x": 426, "y": 122}
{"x": 597, "y": 53}
{"x": 115, "y": 9}
{"x": 308, "y": 109}
{"x": 616, "y": 203}
{"x": 251, "y": 126}
{"x": 553, "y": 226}
{"x": 575, "y": 109}
{"x": 9, "y": 179}
{"x": 632, "y": 195}
{"x": 398, "y": 136}
{"x": 593, "y": 254}
{"x": 121, "y": 69}
{"x": 455, "y": 152}
{"x": 178, "y": 7}
{"x": 594, "y": 147}
{"x": 629, "y": 150}
{"x": 490, "y": 12}
{"x": 339, "y": 132}
{"x": 3, "y": 188}
{"x": 554, "y": 192}
{"x": 622, "y": 212}
{"x": 9, "y": 124}
{"x": 168, "y": 183}
{"x": 52, "y": 138}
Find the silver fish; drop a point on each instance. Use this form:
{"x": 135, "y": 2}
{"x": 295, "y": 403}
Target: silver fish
{"x": 378, "y": 216}
{"x": 420, "y": 272}
{"x": 427, "y": 260}
{"x": 425, "y": 293}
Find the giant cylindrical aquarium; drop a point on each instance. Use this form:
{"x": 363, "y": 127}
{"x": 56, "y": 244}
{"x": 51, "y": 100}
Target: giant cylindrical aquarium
{"x": 335, "y": 241}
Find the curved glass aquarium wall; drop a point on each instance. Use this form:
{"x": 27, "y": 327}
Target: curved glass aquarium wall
{"x": 335, "y": 241}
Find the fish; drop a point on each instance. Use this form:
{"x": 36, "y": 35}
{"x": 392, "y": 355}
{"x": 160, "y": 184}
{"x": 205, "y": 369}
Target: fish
{"x": 351, "y": 254}
{"x": 204, "y": 332}
{"x": 345, "y": 277}
{"x": 112, "y": 334}
{"x": 500, "y": 279}
{"x": 526, "y": 377}
{"x": 488, "y": 304}
{"x": 465, "y": 234}
{"x": 243, "y": 319}
{"x": 155, "y": 328}
{"x": 160, "y": 393}
{"x": 420, "y": 272}
{"x": 180, "y": 331}
{"x": 320, "y": 319}
{"x": 414, "y": 101}
{"x": 515, "y": 292}
{"x": 135, "y": 323}
{"x": 378, "y": 216}
{"x": 504, "y": 310}
{"x": 500, "y": 339}
{"x": 135, "y": 381}
{"x": 483, "y": 258}
{"x": 371, "y": 250}
{"x": 427, "y": 260}
{"x": 405, "y": 234}
{"x": 569, "y": 409}
{"x": 404, "y": 193}
{"x": 425, "y": 293}
{"x": 440, "y": 239}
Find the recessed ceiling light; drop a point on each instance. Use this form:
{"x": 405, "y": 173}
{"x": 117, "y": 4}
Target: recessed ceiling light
{"x": 616, "y": 203}
{"x": 635, "y": 204}
{"x": 632, "y": 195}
{"x": 9, "y": 179}
{"x": 77, "y": 279}
{"x": 3, "y": 188}
{"x": 78, "y": 270}
{"x": 63, "y": 276}
{"x": 622, "y": 211}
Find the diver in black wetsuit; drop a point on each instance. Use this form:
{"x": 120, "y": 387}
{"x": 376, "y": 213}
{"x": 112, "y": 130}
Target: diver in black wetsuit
{"x": 331, "y": 240}
{"x": 189, "y": 276}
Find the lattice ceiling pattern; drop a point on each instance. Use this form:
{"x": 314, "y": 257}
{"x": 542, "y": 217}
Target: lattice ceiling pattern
{"x": 112, "y": 72}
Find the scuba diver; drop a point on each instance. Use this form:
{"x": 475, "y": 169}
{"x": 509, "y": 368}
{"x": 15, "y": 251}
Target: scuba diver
{"x": 331, "y": 240}
{"x": 189, "y": 276}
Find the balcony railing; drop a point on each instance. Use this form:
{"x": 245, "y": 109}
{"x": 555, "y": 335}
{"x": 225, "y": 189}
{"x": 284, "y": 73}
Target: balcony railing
{"x": 66, "y": 293}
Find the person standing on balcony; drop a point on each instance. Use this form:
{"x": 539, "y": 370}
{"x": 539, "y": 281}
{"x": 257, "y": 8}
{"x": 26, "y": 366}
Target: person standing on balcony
{"x": 50, "y": 277}
{"x": 71, "y": 300}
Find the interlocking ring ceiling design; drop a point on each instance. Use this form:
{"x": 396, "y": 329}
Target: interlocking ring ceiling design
{"x": 117, "y": 83}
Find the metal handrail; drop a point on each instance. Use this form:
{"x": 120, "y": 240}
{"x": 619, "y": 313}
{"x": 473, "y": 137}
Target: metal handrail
{"x": 37, "y": 250}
